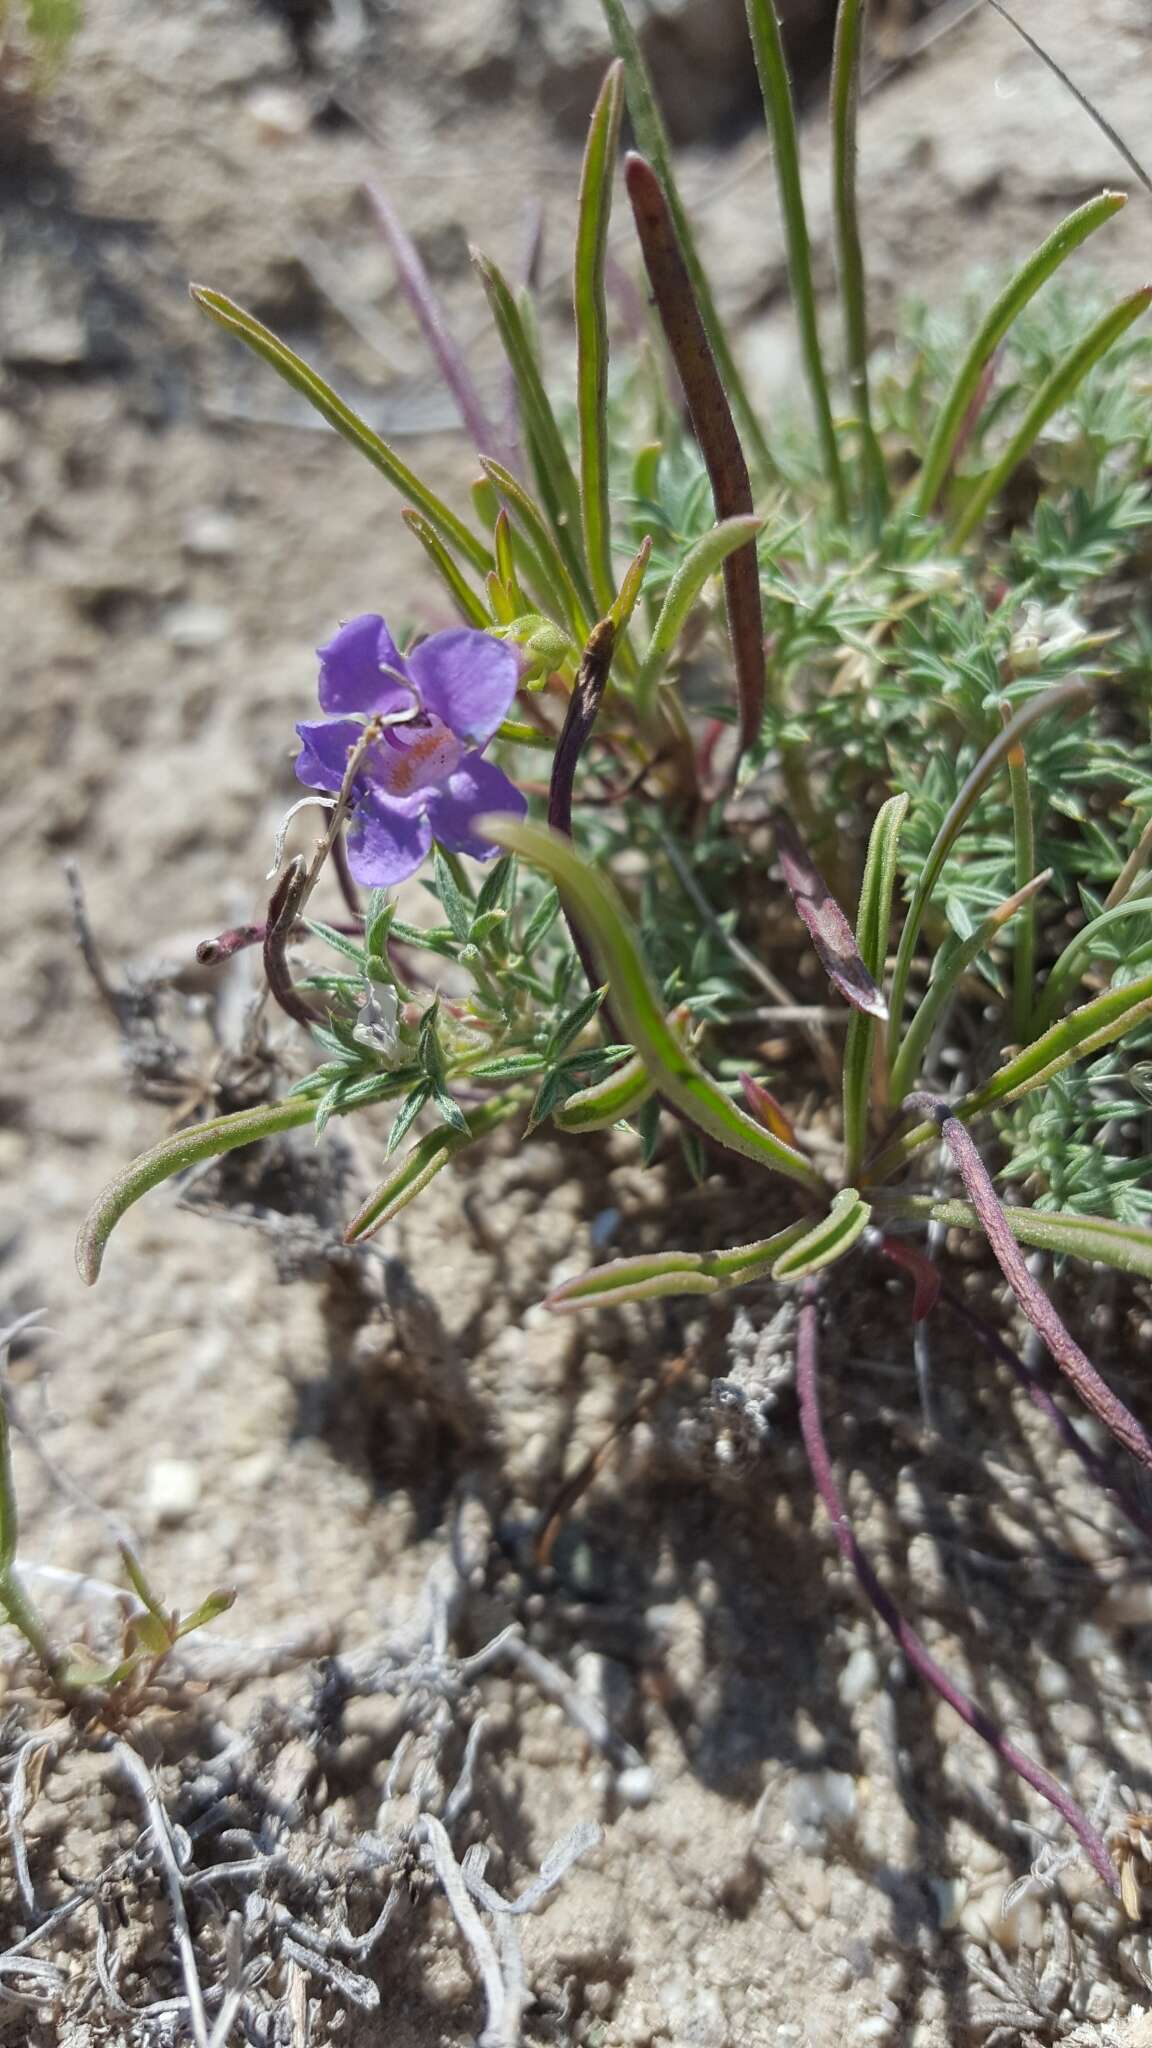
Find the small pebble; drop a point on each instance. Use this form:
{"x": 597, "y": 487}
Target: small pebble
{"x": 211, "y": 536}
{"x": 191, "y": 627}
{"x": 859, "y": 1678}
{"x": 280, "y": 116}
{"x": 172, "y": 1489}
{"x": 635, "y": 1787}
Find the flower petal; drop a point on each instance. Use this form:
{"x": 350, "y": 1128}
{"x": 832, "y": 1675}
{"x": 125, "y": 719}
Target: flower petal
{"x": 477, "y": 786}
{"x": 324, "y": 756}
{"x": 385, "y": 844}
{"x": 351, "y": 666}
{"x": 467, "y": 679}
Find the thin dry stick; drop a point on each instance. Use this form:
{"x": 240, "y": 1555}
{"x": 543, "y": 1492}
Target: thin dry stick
{"x": 160, "y": 1827}
{"x": 472, "y": 1928}
{"x": 917, "y": 1652}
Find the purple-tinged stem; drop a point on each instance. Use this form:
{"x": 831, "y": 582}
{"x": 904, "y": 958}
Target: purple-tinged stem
{"x": 348, "y": 889}
{"x": 417, "y": 287}
{"x": 282, "y": 910}
{"x": 1098, "y": 1469}
{"x": 583, "y": 710}
{"x": 712, "y": 424}
{"x": 210, "y": 952}
{"x": 1094, "y": 1391}
{"x": 917, "y": 1653}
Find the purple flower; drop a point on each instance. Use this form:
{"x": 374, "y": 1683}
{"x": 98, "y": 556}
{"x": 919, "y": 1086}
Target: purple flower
{"x": 425, "y": 778}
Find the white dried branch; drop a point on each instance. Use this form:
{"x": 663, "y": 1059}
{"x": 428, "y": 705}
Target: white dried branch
{"x": 164, "y": 1845}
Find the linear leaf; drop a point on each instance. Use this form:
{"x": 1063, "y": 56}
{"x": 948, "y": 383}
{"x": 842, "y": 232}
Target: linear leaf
{"x": 296, "y": 372}
{"x": 1055, "y": 391}
{"x": 702, "y": 560}
{"x": 555, "y": 476}
{"x": 685, "y": 329}
{"x": 941, "y": 450}
{"x": 411, "y": 1175}
{"x": 545, "y": 567}
{"x": 833, "y": 1236}
{"x": 659, "y": 1273}
{"x": 1064, "y": 695}
{"x": 946, "y": 979}
{"x": 776, "y": 87}
{"x": 873, "y": 926}
{"x": 175, "y": 1155}
{"x": 593, "y": 902}
{"x": 653, "y": 142}
{"x": 470, "y": 607}
{"x": 606, "y": 1102}
{"x": 444, "y": 349}
{"x": 1078, "y": 954}
{"x": 595, "y": 210}
{"x": 844, "y": 102}
{"x": 1127, "y": 1246}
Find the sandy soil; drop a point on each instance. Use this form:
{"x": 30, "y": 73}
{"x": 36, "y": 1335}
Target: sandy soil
{"x": 796, "y": 1848}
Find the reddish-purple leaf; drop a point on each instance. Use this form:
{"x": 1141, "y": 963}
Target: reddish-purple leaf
{"x": 771, "y": 1113}
{"x": 916, "y": 1651}
{"x": 712, "y": 424}
{"x": 827, "y": 927}
{"x": 925, "y": 1276}
{"x": 449, "y": 359}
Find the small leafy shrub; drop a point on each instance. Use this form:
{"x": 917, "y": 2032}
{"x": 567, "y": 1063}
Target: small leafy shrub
{"x": 906, "y": 638}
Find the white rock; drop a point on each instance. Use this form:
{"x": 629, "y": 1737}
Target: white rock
{"x": 191, "y": 627}
{"x": 172, "y": 1489}
{"x": 860, "y": 1676}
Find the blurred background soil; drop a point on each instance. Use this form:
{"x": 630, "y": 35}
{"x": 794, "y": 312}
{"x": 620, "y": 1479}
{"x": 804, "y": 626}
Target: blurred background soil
{"x": 816, "y": 1844}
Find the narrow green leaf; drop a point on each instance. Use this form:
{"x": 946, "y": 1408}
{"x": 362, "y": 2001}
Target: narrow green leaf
{"x": 873, "y": 926}
{"x": 457, "y": 907}
{"x": 1078, "y": 955}
{"x": 1096, "y": 1024}
{"x": 571, "y": 1026}
{"x": 341, "y": 942}
{"x": 175, "y": 1155}
{"x": 832, "y": 1237}
{"x": 469, "y": 605}
{"x": 320, "y": 395}
{"x": 541, "y": 921}
{"x": 660, "y": 1273}
{"x": 845, "y": 99}
{"x": 594, "y": 213}
{"x": 407, "y": 1115}
{"x": 652, "y": 141}
{"x": 606, "y": 1102}
{"x": 1060, "y": 698}
{"x": 548, "y": 571}
{"x": 776, "y": 87}
{"x": 702, "y": 560}
{"x": 1055, "y": 391}
{"x": 946, "y": 979}
{"x": 210, "y": 1609}
{"x": 450, "y": 1111}
{"x": 1023, "y": 870}
{"x": 1127, "y": 1246}
{"x": 411, "y": 1175}
{"x": 1040, "y": 266}
{"x": 9, "y": 1512}
{"x": 593, "y": 903}
{"x": 555, "y": 476}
